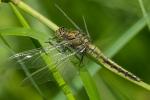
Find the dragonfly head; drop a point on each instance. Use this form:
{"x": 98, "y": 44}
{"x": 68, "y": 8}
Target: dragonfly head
{"x": 61, "y": 32}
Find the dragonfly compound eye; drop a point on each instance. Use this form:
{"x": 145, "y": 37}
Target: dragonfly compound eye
{"x": 60, "y": 32}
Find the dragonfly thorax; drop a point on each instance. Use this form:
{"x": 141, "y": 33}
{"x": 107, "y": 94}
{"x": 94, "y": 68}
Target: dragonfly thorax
{"x": 66, "y": 34}
{"x": 75, "y": 38}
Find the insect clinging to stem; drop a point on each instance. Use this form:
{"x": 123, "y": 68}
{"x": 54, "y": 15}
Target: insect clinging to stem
{"x": 80, "y": 43}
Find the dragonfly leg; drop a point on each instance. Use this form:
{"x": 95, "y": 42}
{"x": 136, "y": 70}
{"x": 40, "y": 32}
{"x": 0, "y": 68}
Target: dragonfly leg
{"x": 82, "y": 59}
{"x": 81, "y": 49}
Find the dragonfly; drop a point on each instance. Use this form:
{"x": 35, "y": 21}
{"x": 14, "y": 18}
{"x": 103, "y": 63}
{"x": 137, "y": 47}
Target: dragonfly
{"x": 76, "y": 42}
{"x": 80, "y": 41}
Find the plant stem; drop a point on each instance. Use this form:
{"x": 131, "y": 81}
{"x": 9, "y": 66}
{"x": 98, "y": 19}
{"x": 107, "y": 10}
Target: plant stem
{"x": 37, "y": 15}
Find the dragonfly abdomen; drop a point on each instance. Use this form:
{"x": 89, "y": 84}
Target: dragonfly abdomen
{"x": 100, "y": 58}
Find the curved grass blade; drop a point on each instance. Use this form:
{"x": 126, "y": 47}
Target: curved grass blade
{"x": 20, "y": 31}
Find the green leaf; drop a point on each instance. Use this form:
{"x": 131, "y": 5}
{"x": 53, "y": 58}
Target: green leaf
{"x": 89, "y": 84}
{"x": 20, "y": 31}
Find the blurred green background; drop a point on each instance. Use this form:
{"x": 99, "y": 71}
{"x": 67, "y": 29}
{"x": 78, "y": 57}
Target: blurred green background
{"x": 107, "y": 20}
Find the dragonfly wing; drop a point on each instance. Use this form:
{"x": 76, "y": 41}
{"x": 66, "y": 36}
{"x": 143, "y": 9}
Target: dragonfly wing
{"x": 41, "y": 78}
{"x": 43, "y": 74}
{"x": 33, "y": 57}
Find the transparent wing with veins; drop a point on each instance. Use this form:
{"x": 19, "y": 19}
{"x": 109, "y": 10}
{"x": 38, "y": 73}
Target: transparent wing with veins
{"x": 32, "y": 58}
{"x": 23, "y": 56}
{"x": 63, "y": 58}
{"x": 61, "y": 66}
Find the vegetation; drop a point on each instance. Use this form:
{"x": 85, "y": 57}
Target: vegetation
{"x": 113, "y": 26}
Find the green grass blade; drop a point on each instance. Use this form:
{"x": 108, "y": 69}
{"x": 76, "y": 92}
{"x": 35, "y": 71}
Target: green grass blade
{"x": 89, "y": 84}
{"x": 125, "y": 38}
{"x": 5, "y": 42}
{"x": 58, "y": 77}
{"x": 144, "y": 13}
{"x": 19, "y": 16}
